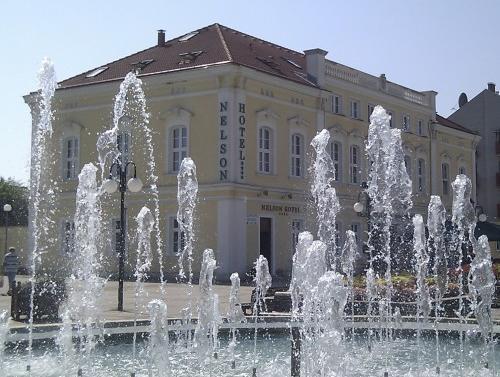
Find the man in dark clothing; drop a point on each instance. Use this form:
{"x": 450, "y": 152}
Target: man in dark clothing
{"x": 10, "y": 266}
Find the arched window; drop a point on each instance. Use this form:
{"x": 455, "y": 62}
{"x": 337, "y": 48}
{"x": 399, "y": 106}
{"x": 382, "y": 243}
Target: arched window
{"x": 421, "y": 175}
{"x": 445, "y": 176}
{"x": 178, "y": 147}
{"x": 265, "y": 150}
{"x": 71, "y": 153}
{"x": 336, "y": 155}
{"x": 354, "y": 160}
{"x": 297, "y": 154}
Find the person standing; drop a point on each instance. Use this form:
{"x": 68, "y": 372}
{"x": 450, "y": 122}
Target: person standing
{"x": 10, "y": 266}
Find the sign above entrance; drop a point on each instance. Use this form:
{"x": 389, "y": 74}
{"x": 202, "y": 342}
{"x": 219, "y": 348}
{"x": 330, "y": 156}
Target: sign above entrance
{"x": 280, "y": 209}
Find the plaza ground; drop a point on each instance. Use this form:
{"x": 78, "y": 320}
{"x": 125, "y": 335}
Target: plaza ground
{"x": 176, "y": 298}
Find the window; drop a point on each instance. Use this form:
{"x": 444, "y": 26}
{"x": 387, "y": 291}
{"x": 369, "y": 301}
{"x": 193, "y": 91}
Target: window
{"x": 178, "y": 147}
{"x": 177, "y": 239}
{"x": 354, "y": 164}
{"x": 370, "y": 110}
{"x": 497, "y": 245}
{"x": 336, "y": 155}
{"x": 356, "y": 227}
{"x": 461, "y": 170}
{"x": 296, "y": 155}
{"x": 445, "y": 175}
{"x": 96, "y": 72}
{"x": 355, "y": 109}
{"x": 391, "y": 115}
{"x": 407, "y": 161}
{"x": 420, "y": 127}
{"x": 337, "y": 104}
{"x": 421, "y": 175}
{"x": 70, "y": 158}
{"x": 68, "y": 236}
{"x": 265, "y": 150}
{"x": 123, "y": 146}
{"x": 406, "y": 123}
{"x": 188, "y": 36}
{"x": 297, "y": 225}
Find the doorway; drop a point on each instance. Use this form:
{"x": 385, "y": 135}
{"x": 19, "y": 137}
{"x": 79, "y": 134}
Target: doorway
{"x": 266, "y": 242}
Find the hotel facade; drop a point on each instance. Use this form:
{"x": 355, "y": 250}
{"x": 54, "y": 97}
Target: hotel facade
{"x": 245, "y": 110}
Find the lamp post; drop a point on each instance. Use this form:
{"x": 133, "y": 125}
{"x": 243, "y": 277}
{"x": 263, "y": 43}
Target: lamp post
{"x": 479, "y": 211}
{"x": 6, "y": 208}
{"x": 118, "y": 180}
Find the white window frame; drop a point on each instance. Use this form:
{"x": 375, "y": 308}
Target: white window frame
{"x": 263, "y": 150}
{"x": 71, "y": 158}
{"x": 175, "y": 244}
{"x": 354, "y": 164}
{"x": 406, "y": 123}
{"x": 177, "y": 152}
{"x": 355, "y": 109}
{"x": 445, "y": 178}
{"x": 337, "y": 104}
{"x": 421, "y": 175}
{"x": 336, "y": 157}
{"x": 297, "y": 155}
{"x": 67, "y": 237}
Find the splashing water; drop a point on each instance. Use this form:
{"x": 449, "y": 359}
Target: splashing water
{"x": 464, "y": 221}
{"x": 130, "y": 115}
{"x": 41, "y": 191}
{"x": 158, "y": 343}
{"x": 4, "y": 330}
{"x": 325, "y": 196}
{"x": 85, "y": 286}
{"x": 349, "y": 252}
{"x": 305, "y": 240}
{"x": 436, "y": 220}
{"x": 205, "y": 335}
{"x": 482, "y": 284}
{"x": 263, "y": 282}
{"x": 145, "y": 224}
{"x": 234, "y": 314}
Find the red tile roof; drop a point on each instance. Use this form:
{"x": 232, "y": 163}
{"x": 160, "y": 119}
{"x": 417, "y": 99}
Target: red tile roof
{"x": 219, "y": 44}
{"x": 449, "y": 123}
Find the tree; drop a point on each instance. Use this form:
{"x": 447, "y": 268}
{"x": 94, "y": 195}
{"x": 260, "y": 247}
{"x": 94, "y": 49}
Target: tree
{"x": 15, "y": 194}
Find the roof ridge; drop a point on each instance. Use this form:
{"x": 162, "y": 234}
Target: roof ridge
{"x": 223, "y": 41}
{"x": 261, "y": 40}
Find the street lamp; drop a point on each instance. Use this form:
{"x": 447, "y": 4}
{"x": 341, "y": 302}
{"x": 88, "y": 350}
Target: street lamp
{"x": 118, "y": 180}
{"x": 6, "y": 208}
{"x": 359, "y": 207}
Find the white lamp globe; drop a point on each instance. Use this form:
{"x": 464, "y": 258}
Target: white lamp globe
{"x": 110, "y": 186}
{"x": 358, "y": 207}
{"x": 134, "y": 184}
{"x": 482, "y": 217}
{"x": 7, "y": 207}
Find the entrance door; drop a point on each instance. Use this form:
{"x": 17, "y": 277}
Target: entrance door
{"x": 266, "y": 240}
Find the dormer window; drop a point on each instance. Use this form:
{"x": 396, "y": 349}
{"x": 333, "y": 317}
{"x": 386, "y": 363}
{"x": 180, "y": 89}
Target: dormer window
{"x": 139, "y": 66}
{"x": 189, "y": 57}
{"x": 96, "y": 72}
{"x": 269, "y": 61}
{"x": 289, "y": 61}
{"x": 188, "y": 36}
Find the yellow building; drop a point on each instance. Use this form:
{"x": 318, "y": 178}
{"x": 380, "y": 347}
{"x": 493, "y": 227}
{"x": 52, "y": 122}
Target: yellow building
{"x": 246, "y": 110}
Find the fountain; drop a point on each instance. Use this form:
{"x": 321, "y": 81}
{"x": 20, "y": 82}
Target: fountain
{"x": 322, "y": 282}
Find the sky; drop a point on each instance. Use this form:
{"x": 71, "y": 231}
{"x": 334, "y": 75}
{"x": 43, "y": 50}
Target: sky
{"x": 450, "y": 46}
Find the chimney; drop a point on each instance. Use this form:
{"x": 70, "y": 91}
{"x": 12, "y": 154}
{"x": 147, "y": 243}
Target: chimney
{"x": 491, "y": 87}
{"x": 315, "y": 65}
{"x": 161, "y": 38}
